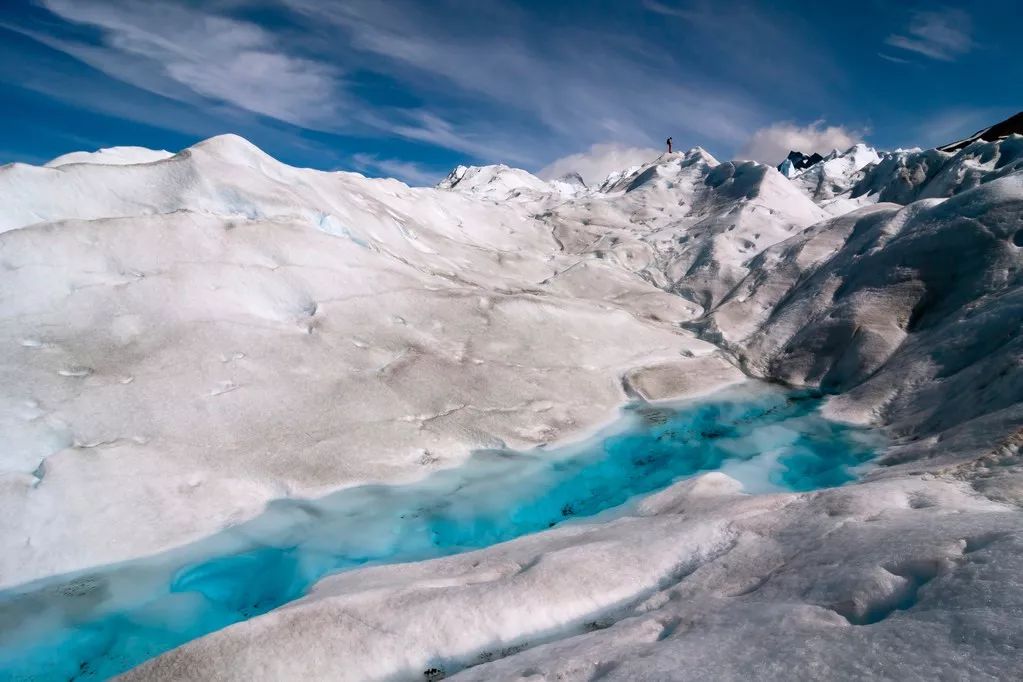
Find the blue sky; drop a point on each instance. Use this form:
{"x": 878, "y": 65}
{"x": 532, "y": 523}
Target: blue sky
{"x": 411, "y": 89}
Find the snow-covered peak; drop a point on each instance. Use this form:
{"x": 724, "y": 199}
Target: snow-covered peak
{"x": 112, "y": 156}
{"x": 224, "y": 175}
{"x": 702, "y": 219}
{"x": 234, "y": 149}
{"x": 836, "y": 174}
{"x": 699, "y": 154}
{"x": 754, "y": 186}
{"x": 860, "y": 155}
{"x": 615, "y": 177}
{"x": 229, "y": 147}
{"x": 843, "y": 163}
{"x": 666, "y": 172}
{"x": 497, "y": 182}
{"x": 454, "y": 177}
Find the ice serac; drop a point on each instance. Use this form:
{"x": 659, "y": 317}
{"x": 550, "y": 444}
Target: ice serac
{"x": 861, "y": 176}
{"x": 835, "y": 175}
{"x": 912, "y": 314}
{"x": 907, "y": 175}
{"x": 685, "y": 222}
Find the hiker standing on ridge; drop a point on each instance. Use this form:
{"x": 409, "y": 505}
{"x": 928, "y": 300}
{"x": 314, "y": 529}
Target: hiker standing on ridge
{"x": 669, "y": 144}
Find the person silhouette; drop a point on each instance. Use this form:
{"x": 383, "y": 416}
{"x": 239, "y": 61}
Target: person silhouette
{"x": 669, "y": 144}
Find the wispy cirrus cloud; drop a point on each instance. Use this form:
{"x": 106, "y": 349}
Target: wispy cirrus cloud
{"x": 453, "y": 81}
{"x": 949, "y": 125}
{"x": 499, "y": 84}
{"x": 890, "y": 58}
{"x": 674, "y": 10}
{"x": 479, "y": 139}
{"x": 535, "y": 89}
{"x": 938, "y": 34}
{"x": 187, "y": 54}
{"x": 413, "y": 174}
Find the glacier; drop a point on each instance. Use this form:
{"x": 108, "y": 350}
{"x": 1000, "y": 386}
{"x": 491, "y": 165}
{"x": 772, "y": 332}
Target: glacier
{"x": 105, "y": 621}
{"x": 197, "y": 339}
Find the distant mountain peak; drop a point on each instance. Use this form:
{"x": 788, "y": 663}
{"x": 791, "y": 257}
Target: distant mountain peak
{"x": 496, "y": 182}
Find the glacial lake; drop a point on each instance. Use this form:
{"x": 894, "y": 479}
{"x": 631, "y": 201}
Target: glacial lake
{"x": 101, "y": 622}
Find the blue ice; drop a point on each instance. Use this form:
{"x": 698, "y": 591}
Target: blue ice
{"x": 99, "y": 623}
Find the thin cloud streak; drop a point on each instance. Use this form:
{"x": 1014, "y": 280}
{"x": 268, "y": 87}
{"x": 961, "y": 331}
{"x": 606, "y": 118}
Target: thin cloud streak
{"x": 412, "y": 174}
{"x": 423, "y": 126}
{"x": 950, "y": 125}
{"x": 525, "y": 90}
{"x": 943, "y": 35}
{"x": 527, "y": 75}
{"x": 499, "y": 83}
{"x": 896, "y": 60}
{"x": 186, "y": 54}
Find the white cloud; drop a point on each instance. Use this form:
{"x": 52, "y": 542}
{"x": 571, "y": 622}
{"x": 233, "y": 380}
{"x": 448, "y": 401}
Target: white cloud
{"x": 492, "y": 80}
{"x": 942, "y": 35}
{"x": 482, "y": 141}
{"x": 773, "y": 143}
{"x": 669, "y": 10}
{"x": 413, "y": 174}
{"x": 888, "y": 57}
{"x": 185, "y": 54}
{"x": 598, "y": 162}
{"x": 531, "y": 90}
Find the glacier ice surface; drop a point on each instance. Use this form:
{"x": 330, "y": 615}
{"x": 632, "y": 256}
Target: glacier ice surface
{"x": 108, "y": 620}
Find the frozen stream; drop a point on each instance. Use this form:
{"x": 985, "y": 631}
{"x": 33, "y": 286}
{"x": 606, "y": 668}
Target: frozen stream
{"x": 101, "y": 622}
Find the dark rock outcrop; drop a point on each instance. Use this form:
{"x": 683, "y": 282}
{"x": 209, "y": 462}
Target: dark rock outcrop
{"x": 801, "y": 161}
{"x": 1010, "y": 126}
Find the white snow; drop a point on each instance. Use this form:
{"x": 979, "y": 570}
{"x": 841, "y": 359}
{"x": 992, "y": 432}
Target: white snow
{"x": 114, "y": 156}
{"x": 907, "y": 175}
{"x": 497, "y": 183}
{"x": 191, "y": 336}
{"x": 706, "y": 583}
{"x": 685, "y": 222}
{"x": 830, "y": 181}
{"x": 204, "y": 334}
